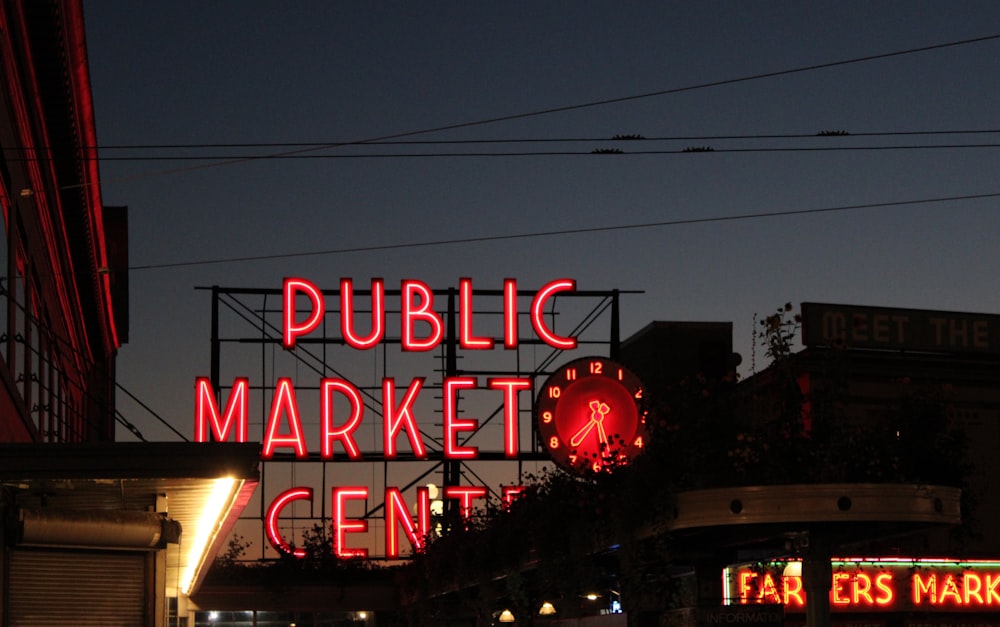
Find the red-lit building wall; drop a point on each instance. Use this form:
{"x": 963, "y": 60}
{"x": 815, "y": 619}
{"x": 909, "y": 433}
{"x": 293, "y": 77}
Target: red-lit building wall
{"x": 62, "y": 289}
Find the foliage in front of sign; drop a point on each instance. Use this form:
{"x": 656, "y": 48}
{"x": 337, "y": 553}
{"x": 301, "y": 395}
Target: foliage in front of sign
{"x": 796, "y": 422}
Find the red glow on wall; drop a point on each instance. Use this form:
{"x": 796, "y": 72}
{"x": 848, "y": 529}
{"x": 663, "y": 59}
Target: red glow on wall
{"x": 207, "y": 416}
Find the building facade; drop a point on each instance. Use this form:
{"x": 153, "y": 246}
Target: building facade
{"x": 93, "y": 532}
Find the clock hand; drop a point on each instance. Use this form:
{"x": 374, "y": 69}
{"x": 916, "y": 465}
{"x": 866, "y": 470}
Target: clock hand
{"x": 583, "y": 432}
{"x": 598, "y": 411}
{"x": 602, "y": 435}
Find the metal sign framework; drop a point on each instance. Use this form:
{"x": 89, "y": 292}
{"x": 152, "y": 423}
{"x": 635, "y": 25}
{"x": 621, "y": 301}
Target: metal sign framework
{"x": 245, "y": 322}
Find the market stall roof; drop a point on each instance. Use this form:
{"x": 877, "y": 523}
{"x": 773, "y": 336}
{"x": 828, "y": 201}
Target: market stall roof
{"x": 203, "y": 487}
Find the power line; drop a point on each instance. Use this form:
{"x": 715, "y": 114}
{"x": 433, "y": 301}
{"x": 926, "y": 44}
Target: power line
{"x": 530, "y": 140}
{"x": 585, "y": 105}
{"x": 562, "y": 153}
{"x": 596, "y": 229}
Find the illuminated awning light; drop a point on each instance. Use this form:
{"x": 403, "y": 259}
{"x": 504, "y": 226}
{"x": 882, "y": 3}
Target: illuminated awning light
{"x": 216, "y": 508}
{"x": 506, "y": 616}
{"x": 547, "y": 609}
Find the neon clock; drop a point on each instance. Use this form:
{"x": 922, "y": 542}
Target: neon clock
{"x": 591, "y": 415}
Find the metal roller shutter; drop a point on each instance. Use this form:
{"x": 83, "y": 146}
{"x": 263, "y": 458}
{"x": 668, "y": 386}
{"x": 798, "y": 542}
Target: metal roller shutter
{"x": 79, "y": 588}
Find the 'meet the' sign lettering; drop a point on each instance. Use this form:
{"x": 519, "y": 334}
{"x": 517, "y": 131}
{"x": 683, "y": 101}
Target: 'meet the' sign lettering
{"x": 887, "y": 328}
{"x": 421, "y": 328}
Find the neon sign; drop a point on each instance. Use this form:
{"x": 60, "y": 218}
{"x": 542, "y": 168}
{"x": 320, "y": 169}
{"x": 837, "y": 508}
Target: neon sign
{"x": 875, "y": 585}
{"x": 421, "y": 328}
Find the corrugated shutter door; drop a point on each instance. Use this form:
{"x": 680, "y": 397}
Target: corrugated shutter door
{"x": 79, "y": 588}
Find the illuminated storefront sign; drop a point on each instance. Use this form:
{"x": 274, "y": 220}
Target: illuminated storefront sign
{"x": 889, "y": 328}
{"x": 421, "y": 328}
{"x": 866, "y": 585}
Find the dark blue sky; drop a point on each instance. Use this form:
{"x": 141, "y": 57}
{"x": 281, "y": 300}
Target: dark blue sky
{"x": 273, "y": 72}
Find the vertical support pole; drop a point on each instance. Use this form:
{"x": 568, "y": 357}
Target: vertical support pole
{"x": 213, "y": 372}
{"x": 817, "y": 577}
{"x": 452, "y": 469}
{"x": 616, "y": 342}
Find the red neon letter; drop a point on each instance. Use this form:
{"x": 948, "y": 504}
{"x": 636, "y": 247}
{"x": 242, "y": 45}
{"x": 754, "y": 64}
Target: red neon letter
{"x": 769, "y": 590}
{"x": 274, "y": 511}
{"x": 972, "y": 587}
{"x": 465, "y": 337}
{"x": 206, "y": 412}
{"x": 837, "y": 593}
{"x": 397, "y": 418}
{"x": 342, "y": 526}
{"x": 745, "y": 579}
{"x": 396, "y": 513}
{"x": 538, "y": 312}
{"x": 949, "y": 590}
{"x": 883, "y": 583}
{"x": 510, "y": 387}
{"x": 347, "y": 315}
{"x": 992, "y": 589}
{"x": 920, "y": 587}
{"x": 317, "y": 308}
{"x": 509, "y": 313}
{"x": 465, "y": 494}
{"x": 452, "y": 423}
{"x": 861, "y": 594}
{"x": 510, "y": 493}
{"x": 413, "y": 312}
{"x": 792, "y": 590}
{"x": 284, "y": 404}
{"x": 344, "y": 433}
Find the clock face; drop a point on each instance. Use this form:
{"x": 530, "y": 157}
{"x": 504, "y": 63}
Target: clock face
{"x": 591, "y": 415}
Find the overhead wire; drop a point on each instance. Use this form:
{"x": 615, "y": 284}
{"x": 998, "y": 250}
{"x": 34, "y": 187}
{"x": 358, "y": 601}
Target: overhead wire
{"x": 560, "y": 232}
{"x": 299, "y": 149}
{"x": 572, "y": 107}
{"x": 530, "y": 140}
{"x": 566, "y": 153}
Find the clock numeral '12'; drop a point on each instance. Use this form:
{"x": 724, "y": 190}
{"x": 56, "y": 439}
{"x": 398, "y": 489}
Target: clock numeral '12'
{"x": 596, "y": 367}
